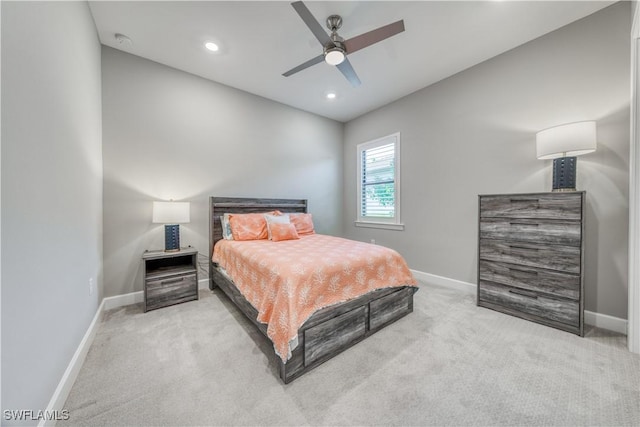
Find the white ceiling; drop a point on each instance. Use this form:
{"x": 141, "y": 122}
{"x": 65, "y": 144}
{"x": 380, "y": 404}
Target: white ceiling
{"x": 261, "y": 40}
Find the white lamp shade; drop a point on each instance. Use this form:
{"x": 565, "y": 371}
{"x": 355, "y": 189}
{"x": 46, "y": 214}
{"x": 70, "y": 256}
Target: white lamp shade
{"x": 171, "y": 212}
{"x": 573, "y": 139}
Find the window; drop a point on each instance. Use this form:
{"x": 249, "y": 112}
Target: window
{"x": 379, "y": 183}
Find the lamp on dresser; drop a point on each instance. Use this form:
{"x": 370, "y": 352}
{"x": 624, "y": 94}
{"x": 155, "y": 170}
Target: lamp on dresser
{"x": 171, "y": 214}
{"x": 562, "y": 144}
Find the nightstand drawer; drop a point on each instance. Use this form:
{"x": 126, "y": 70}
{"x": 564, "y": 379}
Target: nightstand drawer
{"x": 533, "y": 279}
{"x": 530, "y": 230}
{"x": 170, "y": 282}
{"x": 560, "y": 258}
{"x": 538, "y": 206}
{"x": 522, "y": 302}
{"x": 171, "y": 290}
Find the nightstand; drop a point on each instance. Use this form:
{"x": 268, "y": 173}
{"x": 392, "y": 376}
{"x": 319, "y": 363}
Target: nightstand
{"x": 170, "y": 277}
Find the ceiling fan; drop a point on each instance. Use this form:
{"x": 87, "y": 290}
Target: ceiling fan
{"x": 335, "y": 48}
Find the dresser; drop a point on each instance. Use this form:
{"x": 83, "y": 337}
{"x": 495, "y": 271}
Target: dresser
{"x": 530, "y": 257}
{"x": 170, "y": 277}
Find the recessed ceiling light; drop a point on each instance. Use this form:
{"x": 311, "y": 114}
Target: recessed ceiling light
{"x": 331, "y": 95}
{"x": 212, "y": 46}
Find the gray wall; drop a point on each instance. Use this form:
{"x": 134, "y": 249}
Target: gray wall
{"x": 474, "y": 133}
{"x": 172, "y": 135}
{"x": 51, "y": 193}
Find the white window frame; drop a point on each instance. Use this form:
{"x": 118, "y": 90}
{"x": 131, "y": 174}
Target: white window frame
{"x": 392, "y": 223}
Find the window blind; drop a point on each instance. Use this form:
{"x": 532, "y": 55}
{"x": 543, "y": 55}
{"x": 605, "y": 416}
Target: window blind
{"x": 378, "y": 181}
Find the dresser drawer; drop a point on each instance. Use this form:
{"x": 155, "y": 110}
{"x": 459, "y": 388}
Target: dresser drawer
{"x": 531, "y": 230}
{"x": 539, "y": 206}
{"x": 553, "y": 257}
{"x": 533, "y": 279}
{"x": 528, "y": 303}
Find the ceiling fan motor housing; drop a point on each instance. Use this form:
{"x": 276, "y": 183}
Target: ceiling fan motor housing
{"x": 334, "y": 22}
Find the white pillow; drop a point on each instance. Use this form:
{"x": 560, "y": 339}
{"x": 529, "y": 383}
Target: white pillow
{"x": 226, "y": 227}
{"x": 279, "y": 219}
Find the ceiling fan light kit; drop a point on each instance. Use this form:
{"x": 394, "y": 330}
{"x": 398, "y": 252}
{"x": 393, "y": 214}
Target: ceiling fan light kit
{"x": 334, "y": 56}
{"x": 335, "y": 48}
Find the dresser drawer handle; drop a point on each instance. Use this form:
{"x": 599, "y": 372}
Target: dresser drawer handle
{"x": 523, "y": 293}
{"x": 168, "y": 282}
{"x": 524, "y": 200}
{"x": 532, "y": 224}
{"x": 523, "y": 247}
{"x": 521, "y": 270}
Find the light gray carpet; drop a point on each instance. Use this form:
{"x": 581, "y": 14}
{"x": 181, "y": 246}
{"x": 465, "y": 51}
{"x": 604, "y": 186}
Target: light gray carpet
{"x": 448, "y": 363}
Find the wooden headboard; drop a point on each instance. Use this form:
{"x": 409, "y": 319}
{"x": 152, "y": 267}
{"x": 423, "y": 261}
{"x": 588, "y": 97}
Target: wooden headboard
{"x": 221, "y": 205}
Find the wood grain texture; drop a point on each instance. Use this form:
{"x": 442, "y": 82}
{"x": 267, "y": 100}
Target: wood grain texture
{"x": 535, "y": 279}
{"x": 552, "y": 257}
{"x": 531, "y": 257}
{"x": 389, "y": 308}
{"x": 333, "y": 335}
{"x": 297, "y": 365}
{"x": 532, "y": 303}
{"x": 540, "y": 206}
{"x": 171, "y": 290}
{"x": 554, "y": 232}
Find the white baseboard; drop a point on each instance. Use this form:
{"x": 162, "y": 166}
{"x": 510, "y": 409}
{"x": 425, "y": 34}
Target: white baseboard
{"x": 122, "y": 300}
{"x": 599, "y": 320}
{"x": 60, "y": 395}
{"x": 604, "y": 321}
{"x": 138, "y": 297}
{"x": 445, "y": 281}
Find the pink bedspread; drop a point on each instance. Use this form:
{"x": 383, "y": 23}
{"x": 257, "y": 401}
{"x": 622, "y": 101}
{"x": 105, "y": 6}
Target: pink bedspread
{"x": 288, "y": 281}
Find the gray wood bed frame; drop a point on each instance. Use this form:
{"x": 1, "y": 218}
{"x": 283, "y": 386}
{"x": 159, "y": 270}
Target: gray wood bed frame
{"x": 328, "y": 331}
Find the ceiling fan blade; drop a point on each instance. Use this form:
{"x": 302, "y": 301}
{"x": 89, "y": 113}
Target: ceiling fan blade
{"x": 318, "y": 59}
{"x": 374, "y": 36}
{"x": 349, "y": 72}
{"x": 311, "y": 22}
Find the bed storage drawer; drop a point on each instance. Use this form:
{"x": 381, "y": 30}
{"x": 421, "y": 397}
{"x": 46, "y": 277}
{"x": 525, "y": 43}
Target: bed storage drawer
{"x": 389, "y": 308}
{"x": 329, "y": 337}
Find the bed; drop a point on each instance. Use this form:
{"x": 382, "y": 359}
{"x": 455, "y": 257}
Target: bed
{"x": 327, "y": 331}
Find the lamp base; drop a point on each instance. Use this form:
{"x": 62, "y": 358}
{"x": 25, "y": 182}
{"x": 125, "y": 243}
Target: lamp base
{"x": 172, "y": 238}
{"x": 564, "y": 174}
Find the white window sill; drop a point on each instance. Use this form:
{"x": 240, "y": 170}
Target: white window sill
{"x": 384, "y": 225}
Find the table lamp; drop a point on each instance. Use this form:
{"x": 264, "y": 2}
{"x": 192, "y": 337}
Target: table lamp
{"x": 171, "y": 214}
{"x": 562, "y": 144}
